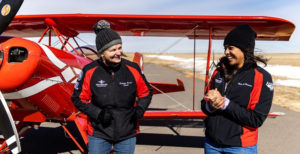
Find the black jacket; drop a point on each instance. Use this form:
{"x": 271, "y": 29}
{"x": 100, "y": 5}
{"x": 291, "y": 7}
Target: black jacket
{"x": 100, "y": 87}
{"x": 250, "y": 93}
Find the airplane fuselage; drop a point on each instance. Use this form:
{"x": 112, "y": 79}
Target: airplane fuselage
{"x": 38, "y": 77}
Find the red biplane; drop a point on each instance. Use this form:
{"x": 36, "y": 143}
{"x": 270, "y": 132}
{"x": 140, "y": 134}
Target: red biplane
{"x": 37, "y": 79}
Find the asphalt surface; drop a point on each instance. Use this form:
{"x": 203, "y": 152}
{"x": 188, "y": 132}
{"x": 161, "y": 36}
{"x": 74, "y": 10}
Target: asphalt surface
{"x": 276, "y": 136}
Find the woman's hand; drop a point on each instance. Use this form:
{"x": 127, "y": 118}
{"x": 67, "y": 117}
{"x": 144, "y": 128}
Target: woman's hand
{"x": 215, "y": 98}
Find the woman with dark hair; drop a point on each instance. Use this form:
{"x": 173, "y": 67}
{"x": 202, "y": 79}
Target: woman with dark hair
{"x": 238, "y": 98}
{"x": 114, "y": 93}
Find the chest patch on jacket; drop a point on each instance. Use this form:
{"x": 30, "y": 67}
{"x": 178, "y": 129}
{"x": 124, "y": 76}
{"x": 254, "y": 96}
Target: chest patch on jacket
{"x": 219, "y": 80}
{"x": 244, "y": 84}
{"x": 125, "y": 84}
{"x": 270, "y": 85}
{"x": 101, "y": 83}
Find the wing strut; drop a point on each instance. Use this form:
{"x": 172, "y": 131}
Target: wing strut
{"x": 208, "y": 61}
{"x": 61, "y": 32}
{"x": 194, "y": 69}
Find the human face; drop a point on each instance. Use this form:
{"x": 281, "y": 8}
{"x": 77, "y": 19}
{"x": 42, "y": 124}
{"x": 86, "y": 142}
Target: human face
{"x": 113, "y": 54}
{"x": 235, "y": 56}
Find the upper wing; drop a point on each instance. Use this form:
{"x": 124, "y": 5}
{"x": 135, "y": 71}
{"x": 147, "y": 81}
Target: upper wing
{"x": 267, "y": 28}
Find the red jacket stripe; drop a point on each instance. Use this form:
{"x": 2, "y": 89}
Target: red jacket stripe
{"x": 142, "y": 89}
{"x": 255, "y": 93}
{"x": 86, "y": 94}
{"x": 250, "y": 135}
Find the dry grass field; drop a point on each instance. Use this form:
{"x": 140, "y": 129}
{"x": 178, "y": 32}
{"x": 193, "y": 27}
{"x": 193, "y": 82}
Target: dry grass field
{"x": 288, "y": 97}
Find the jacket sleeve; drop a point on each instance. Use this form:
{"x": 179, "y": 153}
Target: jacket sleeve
{"x": 205, "y": 104}
{"x": 82, "y": 95}
{"x": 144, "y": 91}
{"x": 257, "y": 111}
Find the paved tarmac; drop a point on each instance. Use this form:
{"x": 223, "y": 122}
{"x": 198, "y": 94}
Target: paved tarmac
{"x": 277, "y": 135}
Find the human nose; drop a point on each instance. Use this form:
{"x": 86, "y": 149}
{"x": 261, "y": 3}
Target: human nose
{"x": 226, "y": 52}
{"x": 119, "y": 52}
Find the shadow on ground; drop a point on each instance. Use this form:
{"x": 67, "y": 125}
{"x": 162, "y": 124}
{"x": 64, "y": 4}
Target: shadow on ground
{"x": 185, "y": 123}
{"x": 54, "y": 140}
{"x": 170, "y": 139}
{"x": 47, "y": 140}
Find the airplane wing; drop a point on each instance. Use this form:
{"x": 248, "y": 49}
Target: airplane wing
{"x": 267, "y": 28}
{"x": 183, "y": 115}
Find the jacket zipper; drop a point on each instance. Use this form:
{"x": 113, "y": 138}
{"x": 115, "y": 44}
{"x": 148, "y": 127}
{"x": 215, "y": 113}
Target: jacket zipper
{"x": 113, "y": 97}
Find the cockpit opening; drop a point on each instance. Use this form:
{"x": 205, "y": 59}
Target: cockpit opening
{"x": 17, "y": 54}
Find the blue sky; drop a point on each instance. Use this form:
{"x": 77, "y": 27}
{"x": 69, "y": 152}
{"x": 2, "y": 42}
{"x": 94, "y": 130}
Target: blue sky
{"x": 286, "y": 9}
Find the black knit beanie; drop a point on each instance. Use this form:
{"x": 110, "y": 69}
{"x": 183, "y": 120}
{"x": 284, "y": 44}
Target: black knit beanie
{"x": 243, "y": 37}
{"x": 106, "y": 37}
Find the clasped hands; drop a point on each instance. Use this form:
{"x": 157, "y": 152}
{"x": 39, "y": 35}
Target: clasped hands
{"x": 215, "y": 99}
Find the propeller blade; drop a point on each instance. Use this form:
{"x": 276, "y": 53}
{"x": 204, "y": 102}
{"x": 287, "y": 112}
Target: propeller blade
{"x": 8, "y": 127}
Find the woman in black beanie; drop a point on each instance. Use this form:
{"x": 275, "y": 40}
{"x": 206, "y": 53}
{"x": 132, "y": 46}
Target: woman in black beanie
{"x": 238, "y": 98}
{"x": 114, "y": 93}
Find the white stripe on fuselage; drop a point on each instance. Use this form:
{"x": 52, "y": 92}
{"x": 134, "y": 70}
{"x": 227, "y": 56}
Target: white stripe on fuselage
{"x": 68, "y": 74}
{"x": 42, "y": 85}
{"x": 57, "y": 62}
{"x": 77, "y": 70}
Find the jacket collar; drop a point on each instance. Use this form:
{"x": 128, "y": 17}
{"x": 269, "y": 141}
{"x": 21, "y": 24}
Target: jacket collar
{"x": 247, "y": 66}
{"x": 109, "y": 67}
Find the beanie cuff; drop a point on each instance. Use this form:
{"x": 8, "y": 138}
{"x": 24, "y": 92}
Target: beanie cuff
{"x": 108, "y": 45}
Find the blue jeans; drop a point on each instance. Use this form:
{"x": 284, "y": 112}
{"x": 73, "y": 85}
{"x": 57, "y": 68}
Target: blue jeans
{"x": 211, "y": 148}
{"x": 102, "y": 146}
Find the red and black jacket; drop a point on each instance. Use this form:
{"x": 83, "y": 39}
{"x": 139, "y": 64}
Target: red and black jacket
{"x": 100, "y": 86}
{"x": 250, "y": 93}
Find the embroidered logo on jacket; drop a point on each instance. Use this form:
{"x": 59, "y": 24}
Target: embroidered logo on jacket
{"x": 125, "y": 84}
{"x": 80, "y": 76}
{"x": 270, "y": 85}
{"x": 244, "y": 84}
{"x": 219, "y": 80}
{"x": 101, "y": 83}
{"x": 78, "y": 80}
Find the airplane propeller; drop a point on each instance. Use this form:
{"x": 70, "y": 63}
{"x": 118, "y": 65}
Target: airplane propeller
{"x": 8, "y": 10}
{"x": 8, "y": 127}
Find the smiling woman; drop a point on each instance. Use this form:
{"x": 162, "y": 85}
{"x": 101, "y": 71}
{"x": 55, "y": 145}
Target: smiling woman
{"x": 113, "y": 93}
{"x": 238, "y": 98}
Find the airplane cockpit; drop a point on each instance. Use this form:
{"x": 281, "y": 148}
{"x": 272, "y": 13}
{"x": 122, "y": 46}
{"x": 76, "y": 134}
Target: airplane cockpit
{"x": 17, "y": 54}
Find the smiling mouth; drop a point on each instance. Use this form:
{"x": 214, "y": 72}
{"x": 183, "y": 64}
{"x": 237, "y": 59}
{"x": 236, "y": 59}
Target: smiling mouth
{"x": 116, "y": 58}
{"x": 230, "y": 58}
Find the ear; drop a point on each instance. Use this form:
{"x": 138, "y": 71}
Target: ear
{"x": 100, "y": 54}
